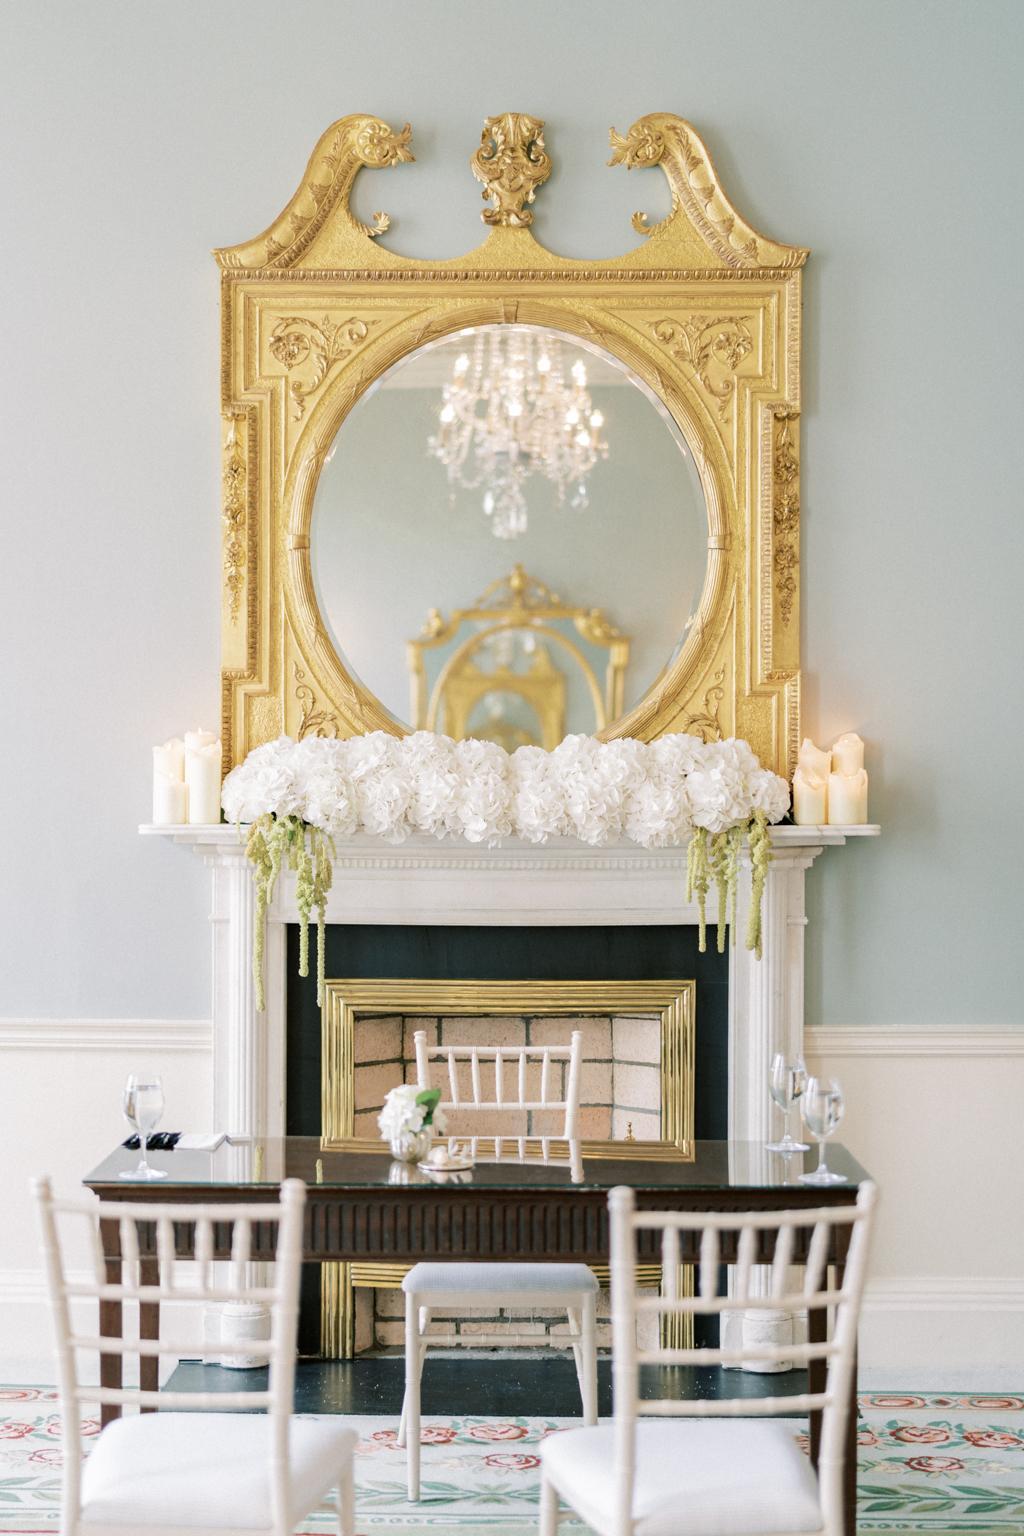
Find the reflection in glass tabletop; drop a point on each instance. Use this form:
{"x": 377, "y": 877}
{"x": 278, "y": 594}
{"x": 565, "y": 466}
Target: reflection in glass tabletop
{"x": 709, "y": 1165}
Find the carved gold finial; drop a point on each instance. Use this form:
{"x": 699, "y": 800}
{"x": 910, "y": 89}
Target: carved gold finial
{"x": 643, "y": 145}
{"x": 511, "y": 163}
{"x": 257, "y": 1165}
{"x": 377, "y": 147}
{"x": 629, "y": 1131}
{"x": 319, "y": 1170}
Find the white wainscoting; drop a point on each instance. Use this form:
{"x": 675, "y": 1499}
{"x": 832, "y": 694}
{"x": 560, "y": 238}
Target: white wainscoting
{"x": 60, "y": 1114}
{"x": 934, "y": 1114}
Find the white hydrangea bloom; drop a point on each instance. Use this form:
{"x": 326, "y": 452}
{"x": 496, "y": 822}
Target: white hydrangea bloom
{"x": 769, "y": 793}
{"x": 538, "y": 803}
{"x": 484, "y": 798}
{"x": 435, "y": 782}
{"x": 328, "y": 797}
{"x": 402, "y": 1113}
{"x": 264, "y": 783}
{"x": 658, "y": 813}
{"x": 598, "y": 780}
{"x": 376, "y": 765}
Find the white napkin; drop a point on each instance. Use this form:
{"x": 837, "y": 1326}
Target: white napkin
{"x": 201, "y": 1141}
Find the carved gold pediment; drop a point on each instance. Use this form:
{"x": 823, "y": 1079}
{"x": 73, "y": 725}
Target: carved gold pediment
{"x": 322, "y": 202}
{"x": 699, "y": 205}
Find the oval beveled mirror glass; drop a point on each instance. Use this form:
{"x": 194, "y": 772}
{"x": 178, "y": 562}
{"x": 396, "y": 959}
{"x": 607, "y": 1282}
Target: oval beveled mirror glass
{"x": 509, "y": 537}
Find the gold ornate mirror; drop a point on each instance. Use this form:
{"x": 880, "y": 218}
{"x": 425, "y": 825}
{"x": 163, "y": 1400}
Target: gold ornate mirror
{"x": 400, "y": 436}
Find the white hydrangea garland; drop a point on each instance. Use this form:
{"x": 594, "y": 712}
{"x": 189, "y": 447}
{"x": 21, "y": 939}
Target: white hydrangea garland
{"x": 659, "y": 794}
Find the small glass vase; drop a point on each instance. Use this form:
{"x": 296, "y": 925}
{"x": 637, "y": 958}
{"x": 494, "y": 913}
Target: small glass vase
{"x": 412, "y": 1146}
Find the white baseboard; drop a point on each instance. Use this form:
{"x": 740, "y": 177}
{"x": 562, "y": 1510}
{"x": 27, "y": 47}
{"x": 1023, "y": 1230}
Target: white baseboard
{"x": 26, "y": 1332}
{"x": 914, "y": 1040}
{"x": 943, "y": 1323}
{"x": 107, "y": 1034}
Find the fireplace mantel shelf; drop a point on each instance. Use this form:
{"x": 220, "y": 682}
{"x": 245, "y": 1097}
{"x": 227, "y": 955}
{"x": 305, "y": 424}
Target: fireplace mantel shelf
{"x": 366, "y": 844}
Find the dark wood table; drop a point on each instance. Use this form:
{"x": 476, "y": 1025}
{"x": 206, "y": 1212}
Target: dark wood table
{"x": 506, "y": 1211}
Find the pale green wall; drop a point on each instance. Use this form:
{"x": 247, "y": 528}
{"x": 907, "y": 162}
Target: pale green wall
{"x": 885, "y": 136}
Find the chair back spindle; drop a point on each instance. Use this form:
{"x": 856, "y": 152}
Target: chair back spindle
{"x": 560, "y": 1068}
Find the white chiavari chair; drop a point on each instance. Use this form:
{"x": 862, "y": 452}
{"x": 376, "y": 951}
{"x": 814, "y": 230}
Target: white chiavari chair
{"x": 176, "y": 1468}
{"x": 572, "y": 1287}
{"x": 671, "y": 1467}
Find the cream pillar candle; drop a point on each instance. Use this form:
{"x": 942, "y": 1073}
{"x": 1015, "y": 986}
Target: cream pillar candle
{"x": 198, "y": 739}
{"x": 170, "y": 800}
{"x": 813, "y": 760}
{"x": 848, "y": 755}
{"x": 848, "y": 799}
{"x": 202, "y": 777}
{"x": 810, "y": 799}
{"x": 169, "y": 807}
{"x": 170, "y": 759}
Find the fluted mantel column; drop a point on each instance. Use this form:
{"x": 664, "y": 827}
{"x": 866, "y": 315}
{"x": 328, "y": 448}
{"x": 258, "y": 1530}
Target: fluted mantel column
{"x": 248, "y": 1046}
{"x": 766, "y": 996}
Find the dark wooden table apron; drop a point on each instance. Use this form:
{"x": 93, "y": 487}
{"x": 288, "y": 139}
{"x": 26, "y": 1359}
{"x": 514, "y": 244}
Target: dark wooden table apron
{"x": 408, "y": 1223}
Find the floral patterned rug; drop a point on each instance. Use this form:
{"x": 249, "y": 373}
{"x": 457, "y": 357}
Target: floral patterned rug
{"x": 928, "y": 1462}
{"x": 933, "y": 1461}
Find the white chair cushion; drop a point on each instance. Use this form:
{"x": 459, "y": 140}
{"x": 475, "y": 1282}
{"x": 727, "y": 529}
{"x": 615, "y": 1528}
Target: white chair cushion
{"x": 207, "y": 1469}
{"x": 503, "y": 1279}
{"x": 703, "y": 1477}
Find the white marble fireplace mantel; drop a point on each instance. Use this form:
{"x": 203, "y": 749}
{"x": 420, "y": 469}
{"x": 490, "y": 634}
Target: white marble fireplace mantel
{"x": 563, "y": 883}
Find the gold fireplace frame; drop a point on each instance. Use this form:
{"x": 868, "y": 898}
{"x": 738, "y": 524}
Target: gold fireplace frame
{"x": 345, "y": 999}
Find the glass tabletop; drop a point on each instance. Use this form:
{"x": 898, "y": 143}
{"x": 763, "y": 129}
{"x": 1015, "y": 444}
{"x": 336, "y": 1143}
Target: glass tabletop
{"x": 707, "y": 1165}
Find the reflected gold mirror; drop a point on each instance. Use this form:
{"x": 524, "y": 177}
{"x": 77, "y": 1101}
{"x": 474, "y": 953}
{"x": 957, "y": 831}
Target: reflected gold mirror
{"x": 511, "y": 496}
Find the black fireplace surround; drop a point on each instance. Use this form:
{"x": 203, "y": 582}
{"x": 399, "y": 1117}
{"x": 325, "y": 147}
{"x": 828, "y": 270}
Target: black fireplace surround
{"x": 655, "y": 953}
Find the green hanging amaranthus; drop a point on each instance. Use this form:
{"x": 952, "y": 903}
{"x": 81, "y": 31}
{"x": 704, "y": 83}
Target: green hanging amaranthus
{"x": 761, "y": 856}
{"x": 280, "y": 841}
{"x": 717, "y": 857}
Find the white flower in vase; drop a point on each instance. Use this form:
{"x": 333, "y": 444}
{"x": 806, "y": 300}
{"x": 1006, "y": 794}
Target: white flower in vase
{"x": 409, "y": 1119}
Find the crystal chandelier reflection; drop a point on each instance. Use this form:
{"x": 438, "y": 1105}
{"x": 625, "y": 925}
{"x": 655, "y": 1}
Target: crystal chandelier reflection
{"x": 509, "y": 413}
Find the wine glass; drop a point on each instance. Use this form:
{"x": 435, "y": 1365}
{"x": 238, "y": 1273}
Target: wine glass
{"x": 786, "y": 1080}
{"x": 822, "y": 1110}
{"x": 143, "y": 1106}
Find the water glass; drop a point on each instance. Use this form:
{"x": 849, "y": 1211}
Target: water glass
{"x": 822, "y": 1107}
{"x": 786, "y": 1080}
{"x": 143, "y": 1106}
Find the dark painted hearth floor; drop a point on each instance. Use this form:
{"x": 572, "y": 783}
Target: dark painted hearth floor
{"x": 512, "y": 1385}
